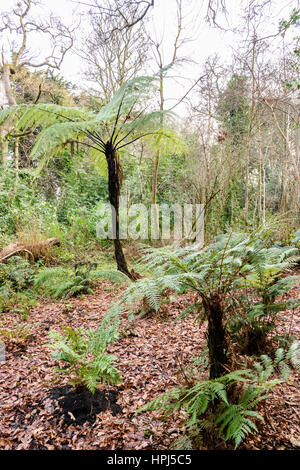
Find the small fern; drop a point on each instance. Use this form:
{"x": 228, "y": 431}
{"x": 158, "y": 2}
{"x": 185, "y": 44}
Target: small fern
{"x": 232, "y": 420}
{"x": 60, "y": 282}
{"x": 17, "y": 334}
{"x": 282, "y": 362}
{"x": 17, "y": 273}
{"x": 83, "y": 352}
{"x": 211, "y": 404}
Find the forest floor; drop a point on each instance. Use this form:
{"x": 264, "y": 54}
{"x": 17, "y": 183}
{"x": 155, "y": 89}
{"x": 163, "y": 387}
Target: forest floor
{"x": 151, "y": 353}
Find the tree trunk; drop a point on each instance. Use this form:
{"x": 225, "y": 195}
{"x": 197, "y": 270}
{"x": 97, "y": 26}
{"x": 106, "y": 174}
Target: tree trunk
{"x": 6, "y": 99}
{"x": 4, "y": 152}
{"x": 16, "y": 158}
{"x": 157, "y": 156}
{"x": 250, "y": 128}
{"x": 155, "y": 177}
{"x": 154, "y": 193}
{"x": 114, "y": 189}
{"x": 217, "y": 345}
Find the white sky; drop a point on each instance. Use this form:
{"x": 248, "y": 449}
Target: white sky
{"x": 207, "y": 41}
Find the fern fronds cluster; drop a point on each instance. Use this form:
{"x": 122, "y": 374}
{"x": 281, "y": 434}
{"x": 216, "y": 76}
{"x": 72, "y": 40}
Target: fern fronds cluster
{"x": 232, "y": 420}
{"x": 236, "y": 421}
{"x": 123, "y": 119}
{"x": 231, "y": 262}
{"x": 220, "y": 273}
{"x": 296, "y": 238}
{"x": 283, "y": 361}
{"x": 60, "y": 282}
{"x": 211, "y": 403}
{"x": 83, "y": 352}
{"x": 16, "y": 273}
{"x": 17, "y": 334}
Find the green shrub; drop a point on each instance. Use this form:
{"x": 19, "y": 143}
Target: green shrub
{"x": 16, "y": 273}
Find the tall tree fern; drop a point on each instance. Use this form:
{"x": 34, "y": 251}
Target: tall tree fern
{"x": 218, "y": 273}
{"x": 118, "y": 124}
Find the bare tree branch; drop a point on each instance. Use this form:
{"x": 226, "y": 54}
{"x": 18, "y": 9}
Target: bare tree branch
{"x": 21, "y": 23}
{"x": 131, "y": 12}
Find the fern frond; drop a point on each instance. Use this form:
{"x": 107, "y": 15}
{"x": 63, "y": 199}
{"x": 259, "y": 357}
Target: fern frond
{"x": 49, "y": 275}
{"x": 84, "y": 354}
{"x": 112, "y": 276}
{"x": 30, "y": 116}
{"x": 128, "y": 95}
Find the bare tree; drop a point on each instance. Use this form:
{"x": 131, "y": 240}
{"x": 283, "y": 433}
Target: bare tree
{"x": 164, "y": 67}
{"x": 131, "y": 12}
{"x": 112, "y": 63}
{"x": 20, "y": 22}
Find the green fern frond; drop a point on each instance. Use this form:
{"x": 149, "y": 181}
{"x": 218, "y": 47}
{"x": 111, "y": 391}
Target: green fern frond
{"x": 112, "y": 276}
{"x": 131, "y": 93}
{"x": 51, "y": 139}
{"x": 50, "y": 274}
{"x": 293, "y": 354}
{"x": 60, "y": 282}
{"x": 83, "y": 353}
{"x": 30, "y": 116}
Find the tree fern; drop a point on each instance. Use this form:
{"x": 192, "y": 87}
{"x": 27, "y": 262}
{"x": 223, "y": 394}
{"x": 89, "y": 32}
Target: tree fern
{"x": 217, "y": 274}
{"x": 61, "y": 124}
{"x": 118, "y": 124}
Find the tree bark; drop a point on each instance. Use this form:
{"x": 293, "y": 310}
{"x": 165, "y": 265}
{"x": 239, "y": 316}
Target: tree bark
{"x": 114, "y": 189}
{"x": 250, "y": 129}
{"x": 6, "y": 99}
{"x": 217, "y": 345}
{"x": 157, "y": 156}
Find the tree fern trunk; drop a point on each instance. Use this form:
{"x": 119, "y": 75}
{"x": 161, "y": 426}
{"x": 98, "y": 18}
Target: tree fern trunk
{"x": 216, "y": 336}
{"x": 114, "y": 188}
